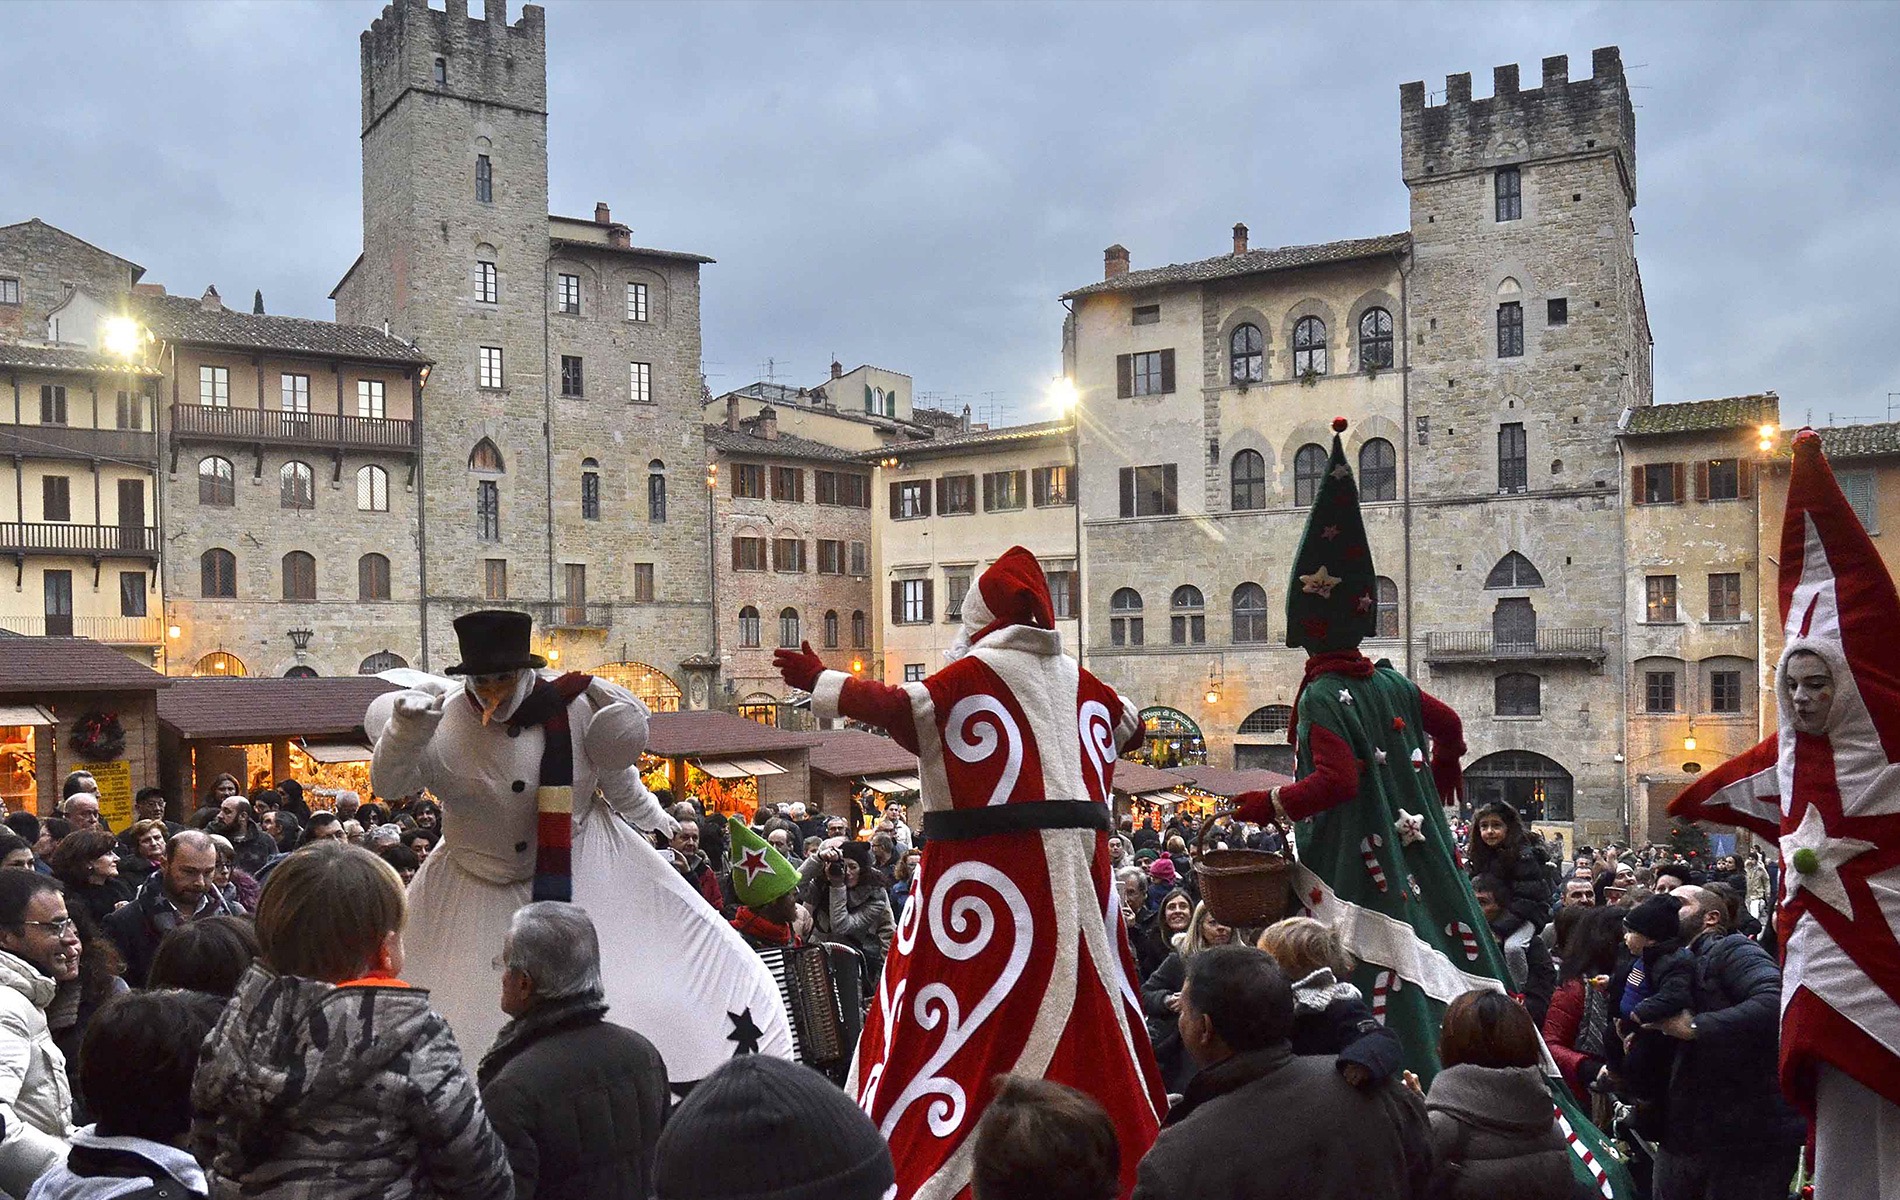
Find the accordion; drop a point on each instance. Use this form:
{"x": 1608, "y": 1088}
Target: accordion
{"x": 824, "y": 1033}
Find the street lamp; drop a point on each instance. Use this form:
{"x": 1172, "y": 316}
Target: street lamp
{"x": 1766, "y": 435}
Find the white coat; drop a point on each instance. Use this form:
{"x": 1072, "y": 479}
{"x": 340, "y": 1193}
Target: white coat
{"x": 36, "y": 1102}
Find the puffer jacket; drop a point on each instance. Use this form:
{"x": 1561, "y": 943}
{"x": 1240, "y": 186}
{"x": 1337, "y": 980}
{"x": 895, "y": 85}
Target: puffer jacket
{"x": 306, "y": 1090}
{"x": 1330, "y": 1017}
{"x": 36, "y": 1103}
{"x": 1494, "y": 1134}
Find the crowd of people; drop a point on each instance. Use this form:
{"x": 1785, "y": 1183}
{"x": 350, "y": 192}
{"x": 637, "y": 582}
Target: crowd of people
{"x": 172, "y": 1000}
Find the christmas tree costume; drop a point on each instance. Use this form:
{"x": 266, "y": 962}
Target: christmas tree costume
{"x": 1009, "y": 956}
{"x": 1376, "y": 858}
{"x": 540, "y": 799}
{"x": 1826, "y": 790}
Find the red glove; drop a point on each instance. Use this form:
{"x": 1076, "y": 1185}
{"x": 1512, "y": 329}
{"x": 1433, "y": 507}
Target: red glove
{"x": 798, "y": 668}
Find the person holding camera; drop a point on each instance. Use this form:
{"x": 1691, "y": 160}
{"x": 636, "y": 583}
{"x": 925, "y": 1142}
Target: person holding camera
{"x": 849, "y": 903}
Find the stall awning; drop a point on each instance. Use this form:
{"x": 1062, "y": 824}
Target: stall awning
{"x": 25, "y": 714}
{"x": 737, "y": 768}
{"x": 337, "y": 752}
{"x": 894, "y": 785}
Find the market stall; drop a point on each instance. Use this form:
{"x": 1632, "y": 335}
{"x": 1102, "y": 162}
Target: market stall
{"x": 1204, "y": 790}
{"x": 727, "y": 762}
{"x": 848, "y": 761}
{"x": 265, "y": 731}
{"x": 1139, "y": 788}
{"x": 68, "y": 703}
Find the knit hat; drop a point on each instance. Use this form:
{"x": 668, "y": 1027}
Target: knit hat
{"x": 1147, "y": 854}
{"x": 1163, "y": 869}
{"x": 1658, "y": 918}
{"x": 1331, "y": 599}
{"x": 857, "y": 852}
{"x": 760, "y": 874}
{"x": 1013, "y": 591}
{"x": 762, "y": 1128}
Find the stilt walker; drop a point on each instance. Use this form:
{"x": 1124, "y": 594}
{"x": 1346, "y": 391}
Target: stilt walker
{"x": 1009, "y": 957}
{"x": 1826, "y": 790}
{"x": 1377, "y": 859}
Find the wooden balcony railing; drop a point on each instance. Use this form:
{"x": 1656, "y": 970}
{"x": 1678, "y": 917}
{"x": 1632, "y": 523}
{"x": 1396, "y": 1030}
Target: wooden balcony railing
{"x": 61, "y": 537}
{"x": 204, "y": 422}
{"x": 115, "y": 631}
{"x": 62, "y": 441}
{"x": 1484, "y": 645}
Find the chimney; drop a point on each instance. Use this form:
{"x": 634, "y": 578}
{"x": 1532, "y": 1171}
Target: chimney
{"x": 211, "y": 301}
{"x": 1114, "y": 261}
{"x": 963, "y": 422}
{"x": 768, "y": 423}
{"x": 837, "y": 369}
{"x": 257, "y": 302}
{"x": 619, "y": 236}
{"x": 732, "y": 411}
{"x": 1240, "y": 239}
{"x": 601, "y": 215}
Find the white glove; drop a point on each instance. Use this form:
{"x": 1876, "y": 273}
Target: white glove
{"x": 417, "y": 715}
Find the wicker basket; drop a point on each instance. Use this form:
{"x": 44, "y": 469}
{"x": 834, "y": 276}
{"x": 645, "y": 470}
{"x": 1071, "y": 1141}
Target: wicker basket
{"x": 1246, "y": 889}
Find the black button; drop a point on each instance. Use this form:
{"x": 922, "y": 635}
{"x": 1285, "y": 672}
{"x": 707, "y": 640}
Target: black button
{"x": 521, "y": 847}
{"x": 514, "y": 731}
{"x": 520, "y": 786}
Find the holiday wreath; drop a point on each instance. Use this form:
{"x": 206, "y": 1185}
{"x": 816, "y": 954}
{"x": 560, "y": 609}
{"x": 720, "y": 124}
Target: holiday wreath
{"x": 98, "y": 735}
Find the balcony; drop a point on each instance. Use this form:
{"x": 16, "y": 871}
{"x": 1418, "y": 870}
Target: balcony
{"x": 559, "y": 614}
{"x": 1477, "y": 646}
{"x": 61, "y": 537}
{"x": 114, "y": 631}
{"x": 328, "y": 431}
{"x": 84, "y": 445}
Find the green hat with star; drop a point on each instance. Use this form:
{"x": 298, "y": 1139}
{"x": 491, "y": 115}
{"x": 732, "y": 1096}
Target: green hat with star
{"x": 1332, "y": 600}
{"x": 760, "y": 874}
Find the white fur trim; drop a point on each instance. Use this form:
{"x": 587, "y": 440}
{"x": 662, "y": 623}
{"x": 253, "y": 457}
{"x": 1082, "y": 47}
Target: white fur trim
{"x": 1044, "y": 687}
{"x": 826, "y": 693}
{"x": 931, "y": 773}
{"x": 1383, "y": 941}
{"x": 976, "y": 612}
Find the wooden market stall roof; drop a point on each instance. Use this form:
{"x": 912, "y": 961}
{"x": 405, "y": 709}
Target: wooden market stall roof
{"x": 213, "y": 708}
{"x": 1139, "y": 779}
{"x": 722, "y": 744}
{"x": 1219, "y": 781}
{"x": 51, "y": 665}
{"x": 881, "y": 763}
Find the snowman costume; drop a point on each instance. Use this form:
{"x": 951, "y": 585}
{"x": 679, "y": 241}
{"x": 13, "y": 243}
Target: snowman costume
{"x": 670, "y": 965}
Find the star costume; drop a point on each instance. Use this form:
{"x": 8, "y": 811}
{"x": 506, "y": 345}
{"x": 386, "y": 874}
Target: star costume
{"x": 1376, "y": 858}
{"x": 540, "y": 801}
{"x": 1009, "y": 956}
{"x": 1831, "y": 801}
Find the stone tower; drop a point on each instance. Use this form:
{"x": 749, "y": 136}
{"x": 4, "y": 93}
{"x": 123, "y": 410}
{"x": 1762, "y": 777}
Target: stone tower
{"x": 1526, "y": 338}
{"x": 559, "y": 410}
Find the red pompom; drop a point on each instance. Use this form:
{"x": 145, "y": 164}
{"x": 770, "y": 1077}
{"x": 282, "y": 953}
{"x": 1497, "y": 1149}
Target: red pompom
{"x": 1339, "y": 424}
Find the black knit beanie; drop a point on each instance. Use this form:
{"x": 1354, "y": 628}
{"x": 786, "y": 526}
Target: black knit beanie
{"x": 762, "y": 1128}
{"x": 1658, "y": 918}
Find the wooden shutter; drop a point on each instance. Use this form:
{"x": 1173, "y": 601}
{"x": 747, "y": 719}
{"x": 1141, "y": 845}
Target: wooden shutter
{"x": 1167, "y": 371}
{"x": 896, "y": 501}
{"x": 989, "y": 492}
{"x": 943, "y": 494}
{"x": 1124, "y": 375}
{"x": 1128, "y": 491}
{"x": 1745, "y": 479}
{"x": 923, "y": 502}
{"x": 1170, "y": 499}
{"x": 1676, "y": 470}
{"x": 930, "y": 613}
{"x": 1636, "y": 485}
{"x": 735, "y": 554}
{"x": 1701, "y": 479}
{"x": 1022, "y": 486}
{"x": 897, "y": 602}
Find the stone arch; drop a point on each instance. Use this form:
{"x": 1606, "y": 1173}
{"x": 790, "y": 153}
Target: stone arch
{"x": 220, "y": 662}
{"x": 1245, "y": 314}
{"x": 653, "y": 686}
{"x": 1371, "y": 299}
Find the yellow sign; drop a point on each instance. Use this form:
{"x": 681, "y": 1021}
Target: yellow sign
{"x": 115, "y": 792}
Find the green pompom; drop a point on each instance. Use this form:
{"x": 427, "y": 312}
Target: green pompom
{"x": 1806, "y": 861}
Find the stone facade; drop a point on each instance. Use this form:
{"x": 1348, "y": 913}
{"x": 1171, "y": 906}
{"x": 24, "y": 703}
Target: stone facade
{"x": 455, "y": 182}
{"x": 1496, "y": 447}
{"x": 48, "y": 265}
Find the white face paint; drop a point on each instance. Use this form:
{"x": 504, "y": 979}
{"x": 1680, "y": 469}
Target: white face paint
{"x": 494, "y": 691}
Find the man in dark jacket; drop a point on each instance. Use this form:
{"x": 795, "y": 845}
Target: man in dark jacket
{"x": 577, "y": 1100}
{"x": 1308, "y": 1133}
{"x": 178, "y": 892}
{"x": 1727, "y": 1133}
{"x": 1540, "y": 973}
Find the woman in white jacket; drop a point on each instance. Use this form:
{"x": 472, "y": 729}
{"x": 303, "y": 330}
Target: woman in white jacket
{"x": 37, "y": 940}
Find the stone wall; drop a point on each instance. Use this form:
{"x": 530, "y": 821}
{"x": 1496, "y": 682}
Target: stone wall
{"x": 48, "y": 262}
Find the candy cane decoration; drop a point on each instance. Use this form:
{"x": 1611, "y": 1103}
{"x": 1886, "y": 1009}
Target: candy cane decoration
{"x": 1583, "y": 1152}
{"x": 1462, "y": 932}
{"x": 1369, "y": 850}
{"x": 1382, "y": 984}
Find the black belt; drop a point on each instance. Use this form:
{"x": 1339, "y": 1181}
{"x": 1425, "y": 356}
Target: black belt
{"x": 962, "y": 824}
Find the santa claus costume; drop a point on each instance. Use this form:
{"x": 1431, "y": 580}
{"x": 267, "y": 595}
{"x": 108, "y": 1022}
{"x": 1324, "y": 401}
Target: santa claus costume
{"x": 535, "y": 775}
{"x": 1009, "y": 956}
{"x": 1826, "y": 789}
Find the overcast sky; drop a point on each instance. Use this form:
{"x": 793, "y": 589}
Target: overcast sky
{"x": 915, "y": 185}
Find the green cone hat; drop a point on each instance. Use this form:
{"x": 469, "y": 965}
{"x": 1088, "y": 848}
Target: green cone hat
{"x": 760, "y": 874}
{"x": 1332, "y": 600}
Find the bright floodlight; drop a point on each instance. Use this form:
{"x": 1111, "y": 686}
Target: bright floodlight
{"x": 1063, "y": 395}
{"x": 122, "y": 337}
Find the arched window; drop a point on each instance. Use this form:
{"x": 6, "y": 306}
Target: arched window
{"x": 441, "y": 72}
{"x": 217, "y": 575}
{"x": 1518, "y": 694}
{"x": 372, "y": 577}
{"x": 372, "y": 489}
{"x": 788, "y": 627}
{"x": 221, "y": 662}
{"x": 296, "y": 486}
{"x": 486, "y": 456}
{"x": 1386, "y": 622}
{"x": 859, "y": 639}
{"x": 1270, "y": 719}
{"x": 831, "y": 629}
{"x": 1125, "y": 625}
{"x": 1375, "y": 339}
{"x": 217, "y": 483}
{"x": 301, "y": 671}
{"x": 1539, "y": 788}
{"x": 590, "y": 490}
{"x": 1309, "y": 467}
{"x": 1248, "y": 479}
{"x": 300, "y": 576}
{"x": 1246, "y": 355}
{"x": 382, "y": 660}
{"x": 1378, "y": 470}
{"x": 748, "y": 626}
{"x": 1513, "y": 571}
{"x": 1309, "y": 347}
{"x": 656, "y": 492}
{"x": 1187, "y": 620}
{"x": 1250, "y": 613}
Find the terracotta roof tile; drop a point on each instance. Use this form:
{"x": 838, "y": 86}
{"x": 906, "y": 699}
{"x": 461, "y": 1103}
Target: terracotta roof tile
{"x": 717, "y": 735}
{"x": 214, "y": 707}
{"x": 50, "y": 665}
{"x": 1704, "y": 416}
{"x": 67, "y": 358}
{"x": 184, "y": 319}
{"x": 968, "y": 441}
{"x": 1254, "y": 262}
{"x": 851, "y": 753}
{"x": 1856, "y": 441}
{"x": 785, "y": 445}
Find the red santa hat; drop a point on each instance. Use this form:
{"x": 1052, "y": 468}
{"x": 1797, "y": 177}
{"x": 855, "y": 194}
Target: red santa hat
{"x": 1012, "y": 592}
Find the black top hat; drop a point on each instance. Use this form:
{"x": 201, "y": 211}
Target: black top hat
{"x": 494, "y": 640}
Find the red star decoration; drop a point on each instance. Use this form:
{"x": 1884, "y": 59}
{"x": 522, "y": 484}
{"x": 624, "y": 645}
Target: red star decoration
{"x": 1315, "y": 896}
{"x": 1398, "y": 722}
{"x": 753, "y": 863}
{"x": 1330, "y": 532}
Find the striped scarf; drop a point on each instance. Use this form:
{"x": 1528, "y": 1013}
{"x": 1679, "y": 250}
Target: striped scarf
{"x": 546, "y": 706}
